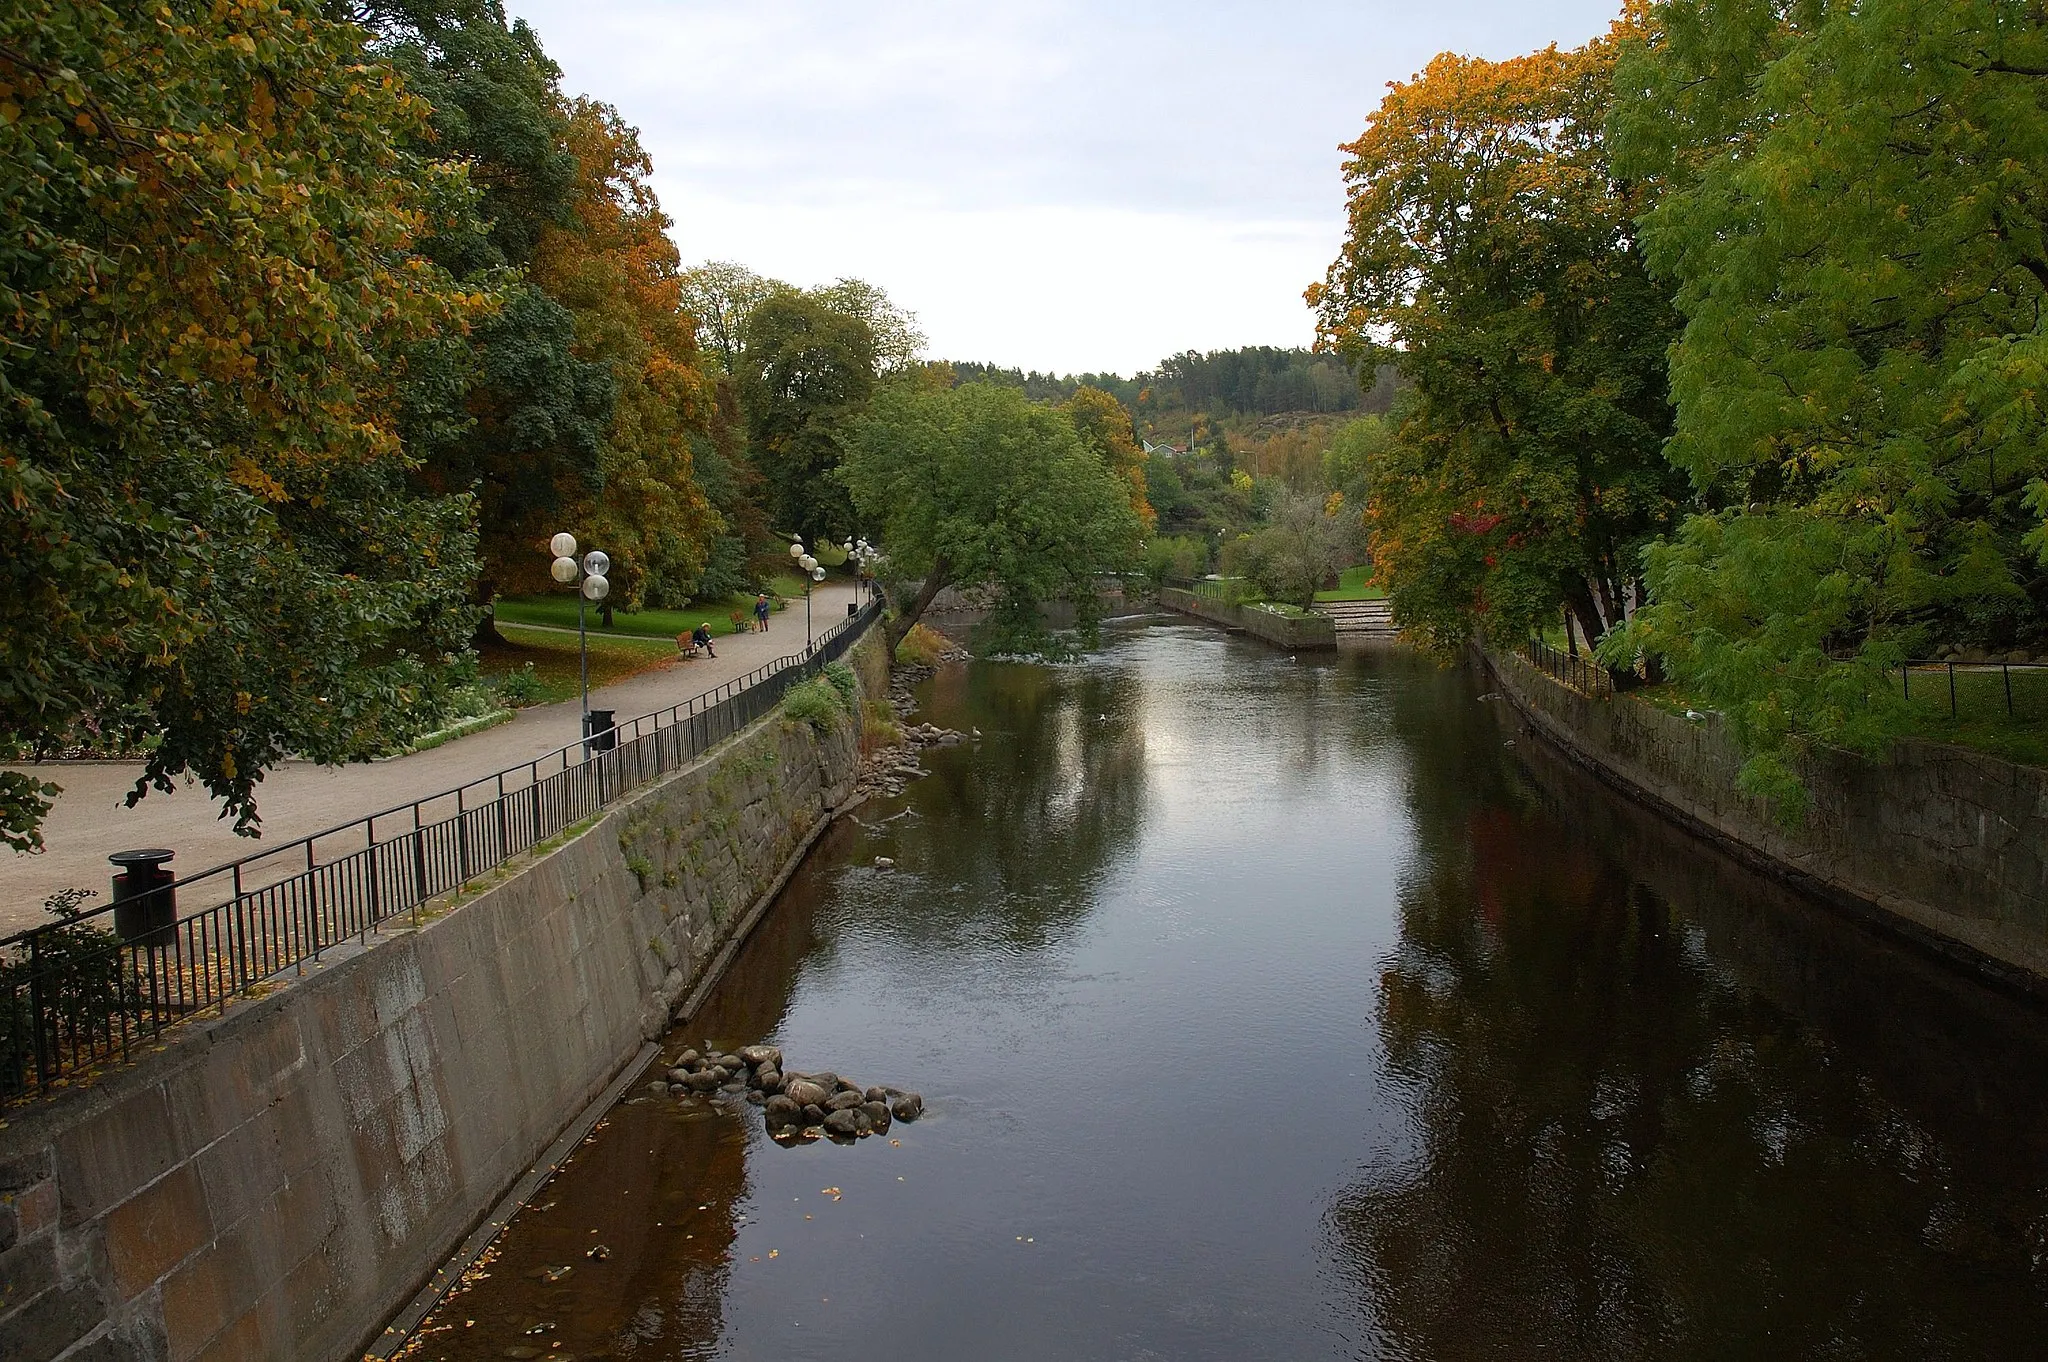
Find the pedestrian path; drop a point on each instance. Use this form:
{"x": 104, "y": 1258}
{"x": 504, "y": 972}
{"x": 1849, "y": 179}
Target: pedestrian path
{"x": 299, "y": 798}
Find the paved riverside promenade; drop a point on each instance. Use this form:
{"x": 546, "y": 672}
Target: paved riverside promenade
{"x": 299, "y": 798}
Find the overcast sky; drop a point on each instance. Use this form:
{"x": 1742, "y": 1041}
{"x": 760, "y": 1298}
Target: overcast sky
{"x": 1053, "y": 185}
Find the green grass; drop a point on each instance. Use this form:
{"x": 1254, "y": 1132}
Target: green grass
{"x": 612, "y": 658}
{"x": 1980, "y": 722}
{"x": 560, "y": 611}
{"x": 1353, "y": 585}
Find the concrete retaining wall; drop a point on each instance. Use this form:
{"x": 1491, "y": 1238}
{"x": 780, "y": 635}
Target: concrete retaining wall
{"x": 276, "y": 1182}
{"x": 1943, "y": 845}
{"x": 1310, "y": 631}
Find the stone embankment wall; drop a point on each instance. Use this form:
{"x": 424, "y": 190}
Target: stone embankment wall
{"x": 276, "y": 1182}
{"x": 1310, "y": 631}
{"x": 1946, "y": 846}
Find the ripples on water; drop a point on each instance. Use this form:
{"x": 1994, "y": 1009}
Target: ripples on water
{"x": 1275, "y": 1007}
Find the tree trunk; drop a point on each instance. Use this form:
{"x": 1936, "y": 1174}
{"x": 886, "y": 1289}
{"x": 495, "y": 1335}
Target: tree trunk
{"x": 604, "y": 614}
{"x": 935, "y": 581}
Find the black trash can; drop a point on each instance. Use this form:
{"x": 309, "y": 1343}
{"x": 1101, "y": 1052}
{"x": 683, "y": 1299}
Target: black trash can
{"x": 852, "y": 609}
{"x": 600, "y": 734}
{"x": 145, "y": 905}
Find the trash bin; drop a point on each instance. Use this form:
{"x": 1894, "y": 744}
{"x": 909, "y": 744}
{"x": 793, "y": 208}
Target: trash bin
{"x": 852, "y": 609}
{"x": 600, "y": 734}
{"x": 145, "y": 904}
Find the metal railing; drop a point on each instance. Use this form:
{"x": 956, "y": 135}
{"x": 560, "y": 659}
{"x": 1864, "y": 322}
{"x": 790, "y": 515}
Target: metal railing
{"x": 1221, "y": 590}
{"x": 73, "y": 995}
{"x": 1577, "y": 672}
{"x": 2016, "y": 689}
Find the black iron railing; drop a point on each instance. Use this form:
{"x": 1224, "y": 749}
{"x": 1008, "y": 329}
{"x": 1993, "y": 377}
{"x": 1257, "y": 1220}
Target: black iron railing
{"x": 74, "y": 994}
{"x": 1577, "y": 672}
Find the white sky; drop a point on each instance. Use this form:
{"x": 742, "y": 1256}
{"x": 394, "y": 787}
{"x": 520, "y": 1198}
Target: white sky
{"x": 1053, "y": 185}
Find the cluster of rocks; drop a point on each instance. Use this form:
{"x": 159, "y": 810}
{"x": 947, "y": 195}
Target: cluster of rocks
{"x": 798, "y": 1106}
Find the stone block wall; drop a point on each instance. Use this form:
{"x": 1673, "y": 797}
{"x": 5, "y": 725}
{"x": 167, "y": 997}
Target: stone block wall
{"x": 1287, "y": 631}
{"x": 276, "y": 1182}
{"x": 1944, "y": 845}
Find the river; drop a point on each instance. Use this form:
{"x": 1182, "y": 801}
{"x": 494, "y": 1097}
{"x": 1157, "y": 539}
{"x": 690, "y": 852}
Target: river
{"x": 1299, "y": 1008}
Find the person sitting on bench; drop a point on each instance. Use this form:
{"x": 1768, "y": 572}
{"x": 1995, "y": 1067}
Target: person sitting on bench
{"x": 701, "y": 637}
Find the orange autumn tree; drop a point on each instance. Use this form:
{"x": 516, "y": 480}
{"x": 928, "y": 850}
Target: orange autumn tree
{"x": 618, "y": 273}
{"x": 1492, "y": 257}
{"x": 1105, "y": 427}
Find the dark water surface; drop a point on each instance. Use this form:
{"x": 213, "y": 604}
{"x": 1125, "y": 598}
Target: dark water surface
{"x": 1272, "y": 1007}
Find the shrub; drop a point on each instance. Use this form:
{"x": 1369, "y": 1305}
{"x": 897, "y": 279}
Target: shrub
{"x": 1174, "y": 556}
{"x": 516, "y": 690}
{"x": 84, "y": 995}
{"x": 815, "y": 702}
{"x": 922, "y": 647}
{"x": 843, "y": 680}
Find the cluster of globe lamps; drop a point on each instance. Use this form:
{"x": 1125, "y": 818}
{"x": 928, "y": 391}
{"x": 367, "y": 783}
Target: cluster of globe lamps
{"x": 593, "y": 586}
{"x": 812, "y": 573}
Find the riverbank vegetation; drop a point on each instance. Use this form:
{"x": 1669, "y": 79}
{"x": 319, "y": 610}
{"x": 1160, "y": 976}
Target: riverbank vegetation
{"x": 1721, "y": 342}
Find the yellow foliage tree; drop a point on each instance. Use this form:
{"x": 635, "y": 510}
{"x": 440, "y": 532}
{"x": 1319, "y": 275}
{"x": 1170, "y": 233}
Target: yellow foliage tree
{"x": 1105, "y": 427}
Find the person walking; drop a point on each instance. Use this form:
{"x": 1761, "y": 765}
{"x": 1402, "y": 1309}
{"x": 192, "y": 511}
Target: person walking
{"x": 761, "y": 613}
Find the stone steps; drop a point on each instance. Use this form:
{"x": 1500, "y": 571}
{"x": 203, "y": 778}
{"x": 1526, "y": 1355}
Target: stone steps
{"x": 1369, "y": 619}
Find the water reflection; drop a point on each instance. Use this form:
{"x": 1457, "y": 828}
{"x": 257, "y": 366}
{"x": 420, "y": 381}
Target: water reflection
{"x": 1301, "y": 1008}
{"x": 1663, "y": 1109}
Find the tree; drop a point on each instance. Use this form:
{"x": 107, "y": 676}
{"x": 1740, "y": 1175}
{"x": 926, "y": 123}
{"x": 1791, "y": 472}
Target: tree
{"x": 511, "y": 412}
{"x": 977, "y": 485}
{"x": 1852, "y": 212}
{"x": 1303, "y": 545}
{"x": 210, "y": 296}
{"x": 721, "y": 295}
{"x": 1492, "y": 257}
{"x": 617, "y": 273}
{"x": 1105, "y": 427}
{"x": 807, "y": 372}
{"x": 897, "y": 341}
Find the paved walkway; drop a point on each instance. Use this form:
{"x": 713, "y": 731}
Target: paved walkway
{"x": 299, "y": 797}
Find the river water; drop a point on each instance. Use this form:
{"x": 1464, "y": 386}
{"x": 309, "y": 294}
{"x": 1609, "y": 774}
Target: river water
{"x": 1299, "y": 1008}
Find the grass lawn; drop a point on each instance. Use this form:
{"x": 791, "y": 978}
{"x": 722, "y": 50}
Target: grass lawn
{"x": 1980, "y": 721}
{"x": 560, "y": 611}
{"x": 612, "y": 658}
{"x": 1352, "y": 585}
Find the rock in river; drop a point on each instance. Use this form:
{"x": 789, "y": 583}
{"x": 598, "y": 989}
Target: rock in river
{"x": 780, "y": 1111}
{"x": 761, "y": 1056}
{"x": 907, "y": 1107}
{"x": 843, "y": 1123}
{"x": 877, "y": 1114}
{"x": 843, "y": 1101}
{"x": 805, "y": 1092}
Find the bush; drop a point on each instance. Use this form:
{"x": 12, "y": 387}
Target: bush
{"x": 516, "y": 690}
{"x": 83, "y": 991}
{"x": 1174, "y": 555}
{"x": 815, "y": 702}
{"x": 922, "y": 647}
{"x": 844, "y": 681}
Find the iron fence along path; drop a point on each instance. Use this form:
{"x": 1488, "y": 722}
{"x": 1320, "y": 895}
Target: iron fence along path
{"x": 72, "y": 995}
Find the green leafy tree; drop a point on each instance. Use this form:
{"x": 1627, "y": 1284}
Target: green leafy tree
{"x": 720, "y": 295}
{"x": 807, "y": 372}
{"x": 1852, "y": 209}
{"x": 976, "y": 485}
{"x": 514, "y": 412}
{"x": 209, "y": 294}
{"x": 1492, "y": 257}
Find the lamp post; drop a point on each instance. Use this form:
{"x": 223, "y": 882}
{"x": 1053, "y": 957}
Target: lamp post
{"x": 588, "y": 577}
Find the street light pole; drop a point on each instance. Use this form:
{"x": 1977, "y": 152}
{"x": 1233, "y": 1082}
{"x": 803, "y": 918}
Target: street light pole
{"x": 588, "y": 577}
